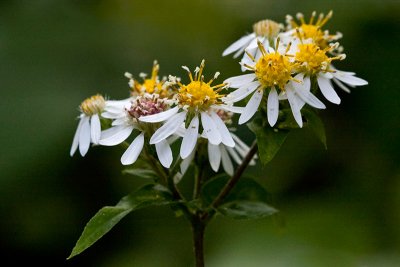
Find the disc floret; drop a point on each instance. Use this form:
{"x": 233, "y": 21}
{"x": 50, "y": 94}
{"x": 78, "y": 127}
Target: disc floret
{"x": 93, "y": 105}
{"x": 198, "y": 94}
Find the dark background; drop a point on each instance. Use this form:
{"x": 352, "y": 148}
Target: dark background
{"x": 339, "y": 207}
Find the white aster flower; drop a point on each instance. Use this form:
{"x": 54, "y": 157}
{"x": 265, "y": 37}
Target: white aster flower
{"x": 272, "y": 74}
{"x": 311, "y": 29}
{"x": 197, "y": 103}
{"x": 150, "y": 85}
{"x": 125, "y": 114}
{"x": 263, "y": 31}
{"x": 89, "y": 127}
{"x": 315, "y": 63}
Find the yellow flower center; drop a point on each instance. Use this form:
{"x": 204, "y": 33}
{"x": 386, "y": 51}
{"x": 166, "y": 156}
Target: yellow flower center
{"x": 199, "y": 95}
{"x": 273, "y": 69}
{"x": 267, "y": 28}
{"x": 151, "y": 85}
{"x": 93, "y": 105}
{"x": 312, "y": 59}
{"x": 313, "y": 28}
{"x": 314, "y": 32}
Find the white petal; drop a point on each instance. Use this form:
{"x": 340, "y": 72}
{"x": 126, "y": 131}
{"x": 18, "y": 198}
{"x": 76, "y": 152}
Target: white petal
{"x": 242, "y": 42}
{"x": 237, "y": 81}
{"x": 273, "y": 107}
{"x": 75, "y": 141}
{"x": 164, "y": 153}
{"x": 229, "y": 108}
{"x": 303, "y": 91}
{"x": 95, "y": 129}
{"x": 226, "y": 161}
{"x": 223, "y": 130}
{"x": 133, "y": 151}
{"x": 112, "y": 115}
{"x": 210, "y": 129}
{"x": 170, "y": 127}
{"x": 294, "y": 105}
{"x": 242, "y": 92}
{"x": 214, "y": 156}
{"x": 251, "y": 107}
{"x": 190, "y": 138}
{"x": 341, "y": 85}
{"x": 349, "y": 79}
{"x": 186, "y": 162}
{"x": 162, "y": 116}
{"x": 327, "y": 90}
{"x": 115, "y": 135}
{"x": 84, "y": 136}
{"x": 119, "y": 121}
{"x": 234, "y": 155}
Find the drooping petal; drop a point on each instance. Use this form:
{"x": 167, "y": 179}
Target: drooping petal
{"x": 234, "y": 154}
{"x": 223, "y": 130}
{"x": 341, "y": 85}
{"x": 75, "y": 141}
{"x": 190, "y": 138}
{"x": 133, "y": 151}
{"x": 251, "y": 107}
{"x": 226, "y": 161}
{"x": 242, "y": 42}
{"x": 84, "y": 136}
{"x": 95, "y": 129}
{"x": 115, "y": 135}
{"x": 303, "y": 91}
{"x": 242, "y": 92}
{"x": 162, "y": 116}
{"x": 164, "y": 153}
{"x": 273, "y": 107}
{"x": 214, "y": 156}
{"x": 349, "y": 79}
{"x": 237, "y": 81}
{"x": 186, "y": 162}
{"x": 170, "y": 127}
{"x": 229, "y": 108}
{"x": 294, "y": 105}
{"x": 327, "y": 90}
{"x": 210, "y": 129}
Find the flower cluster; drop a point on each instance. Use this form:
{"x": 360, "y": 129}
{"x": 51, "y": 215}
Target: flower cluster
{"x": 290, "y": 64}
{"x": 159, "y": 112}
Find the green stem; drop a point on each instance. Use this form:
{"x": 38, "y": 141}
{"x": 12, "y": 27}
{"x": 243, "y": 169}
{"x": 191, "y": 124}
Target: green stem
{"x": 198, "y": 180}
{"x": 232, "y": 182}
{"x": 198, "y": 229}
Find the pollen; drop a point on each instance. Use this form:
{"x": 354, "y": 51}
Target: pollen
{"x": 273, "y": 69}
{"x": 267, "y": 28}
{"x": 93, "y": 105}
{"x": 198, "y": 94}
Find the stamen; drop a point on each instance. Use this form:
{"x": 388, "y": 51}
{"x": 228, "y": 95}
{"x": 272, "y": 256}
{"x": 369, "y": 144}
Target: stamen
{"x": 312, "y": 17}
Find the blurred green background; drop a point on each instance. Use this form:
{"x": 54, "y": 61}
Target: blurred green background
{"x": 339, "y": 207}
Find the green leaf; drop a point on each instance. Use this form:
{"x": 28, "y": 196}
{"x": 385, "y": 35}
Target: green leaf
{"x": 244, "y": 209}
{"x": 269, "y": 140}
{"x": 141, "y": 173}
{"x": 316, "y": 125}
{"x": 247, "y": 200}
{"x": 107, "y": 217}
